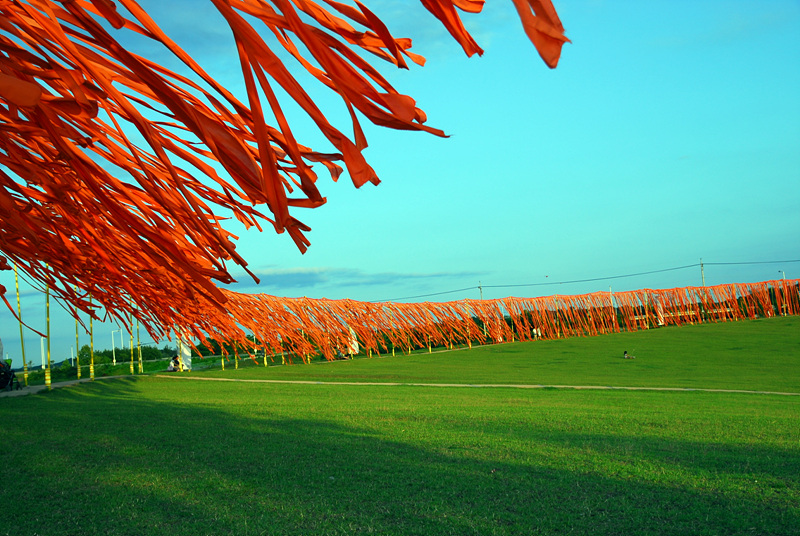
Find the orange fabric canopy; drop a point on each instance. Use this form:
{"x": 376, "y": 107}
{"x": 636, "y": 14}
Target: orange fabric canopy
{"x": 108, "y": 184}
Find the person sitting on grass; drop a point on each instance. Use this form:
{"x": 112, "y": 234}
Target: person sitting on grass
{"x": 174, "y": 364}
{"x": 626, "y": 356}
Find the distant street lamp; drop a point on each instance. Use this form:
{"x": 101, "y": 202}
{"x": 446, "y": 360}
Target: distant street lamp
{"x": 113, "y": 343}
{"x": 782, "y": 272}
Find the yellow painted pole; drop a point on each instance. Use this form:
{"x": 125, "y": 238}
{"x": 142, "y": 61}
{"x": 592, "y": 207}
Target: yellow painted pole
{"x": 47, "y": 308}
{"x": 130, "y": 332}
{"x": 77, "y": 348}
{"x": 21, "y": 335}
{"x": 223, "y": 362}
{"x": 91, "y": 343}
{"x": 391, "y": 325}
{"x": 180, "y": 353}
{"x": 306, "y": 360}
{"x": 132, "y": 352}
{"x": 139, "y": 347}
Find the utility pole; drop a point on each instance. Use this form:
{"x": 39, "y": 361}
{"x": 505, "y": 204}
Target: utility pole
{"x": 702, "y": 272}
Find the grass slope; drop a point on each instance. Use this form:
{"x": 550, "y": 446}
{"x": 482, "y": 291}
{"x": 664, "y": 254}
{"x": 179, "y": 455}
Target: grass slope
{"x": 750, "y": 355}
{"x": 157, "y": 456}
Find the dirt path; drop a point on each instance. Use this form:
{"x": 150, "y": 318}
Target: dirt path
{"x": 482, "y": 385}
{"x": 33, "y": 389}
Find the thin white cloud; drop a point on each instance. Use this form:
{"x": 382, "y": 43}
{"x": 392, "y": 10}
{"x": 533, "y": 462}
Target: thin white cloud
{"x": 276, "y": 280}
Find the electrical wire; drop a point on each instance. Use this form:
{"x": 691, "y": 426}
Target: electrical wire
{"x": 589, "y": 280}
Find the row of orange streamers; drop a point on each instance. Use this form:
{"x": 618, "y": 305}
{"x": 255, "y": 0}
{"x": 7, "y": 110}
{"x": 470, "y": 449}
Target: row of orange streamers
{"x": 787, "y": 300}
{"x": 748, "y": 306}
{"x": 301, "y": 328}
{"x": 630, "y": 309}
{"x": 763, "y": 293}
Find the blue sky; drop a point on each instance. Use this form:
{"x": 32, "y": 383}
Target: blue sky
{"x": 670, "y": 132}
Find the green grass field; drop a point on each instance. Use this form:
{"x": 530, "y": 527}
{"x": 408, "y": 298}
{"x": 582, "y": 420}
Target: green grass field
{"x": 151, "y": 455}
{"x": 752, "y": 355}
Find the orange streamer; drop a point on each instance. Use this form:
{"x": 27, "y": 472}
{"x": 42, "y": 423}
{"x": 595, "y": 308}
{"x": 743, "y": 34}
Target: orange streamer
{"x": 134, "y": 221}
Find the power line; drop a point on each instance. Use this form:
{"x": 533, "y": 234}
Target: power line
{"x": 427, "y": 295}
{"x": 607, "y": 278}
{"x": 595, "y": 278}
{"x": 755, "y": 262}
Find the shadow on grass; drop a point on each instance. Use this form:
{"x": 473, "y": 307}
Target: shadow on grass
{"x": 103, "y": 460}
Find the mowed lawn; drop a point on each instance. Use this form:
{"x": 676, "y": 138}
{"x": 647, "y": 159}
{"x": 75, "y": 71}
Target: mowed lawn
{"x": 751, "y": 355}
{"x": 152, "y": 455}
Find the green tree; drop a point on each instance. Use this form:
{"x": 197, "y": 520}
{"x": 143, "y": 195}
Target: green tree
{"x": 103, "y": 356}
{"x": 100, "y": 356}
{"x": 150, "y": 353}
